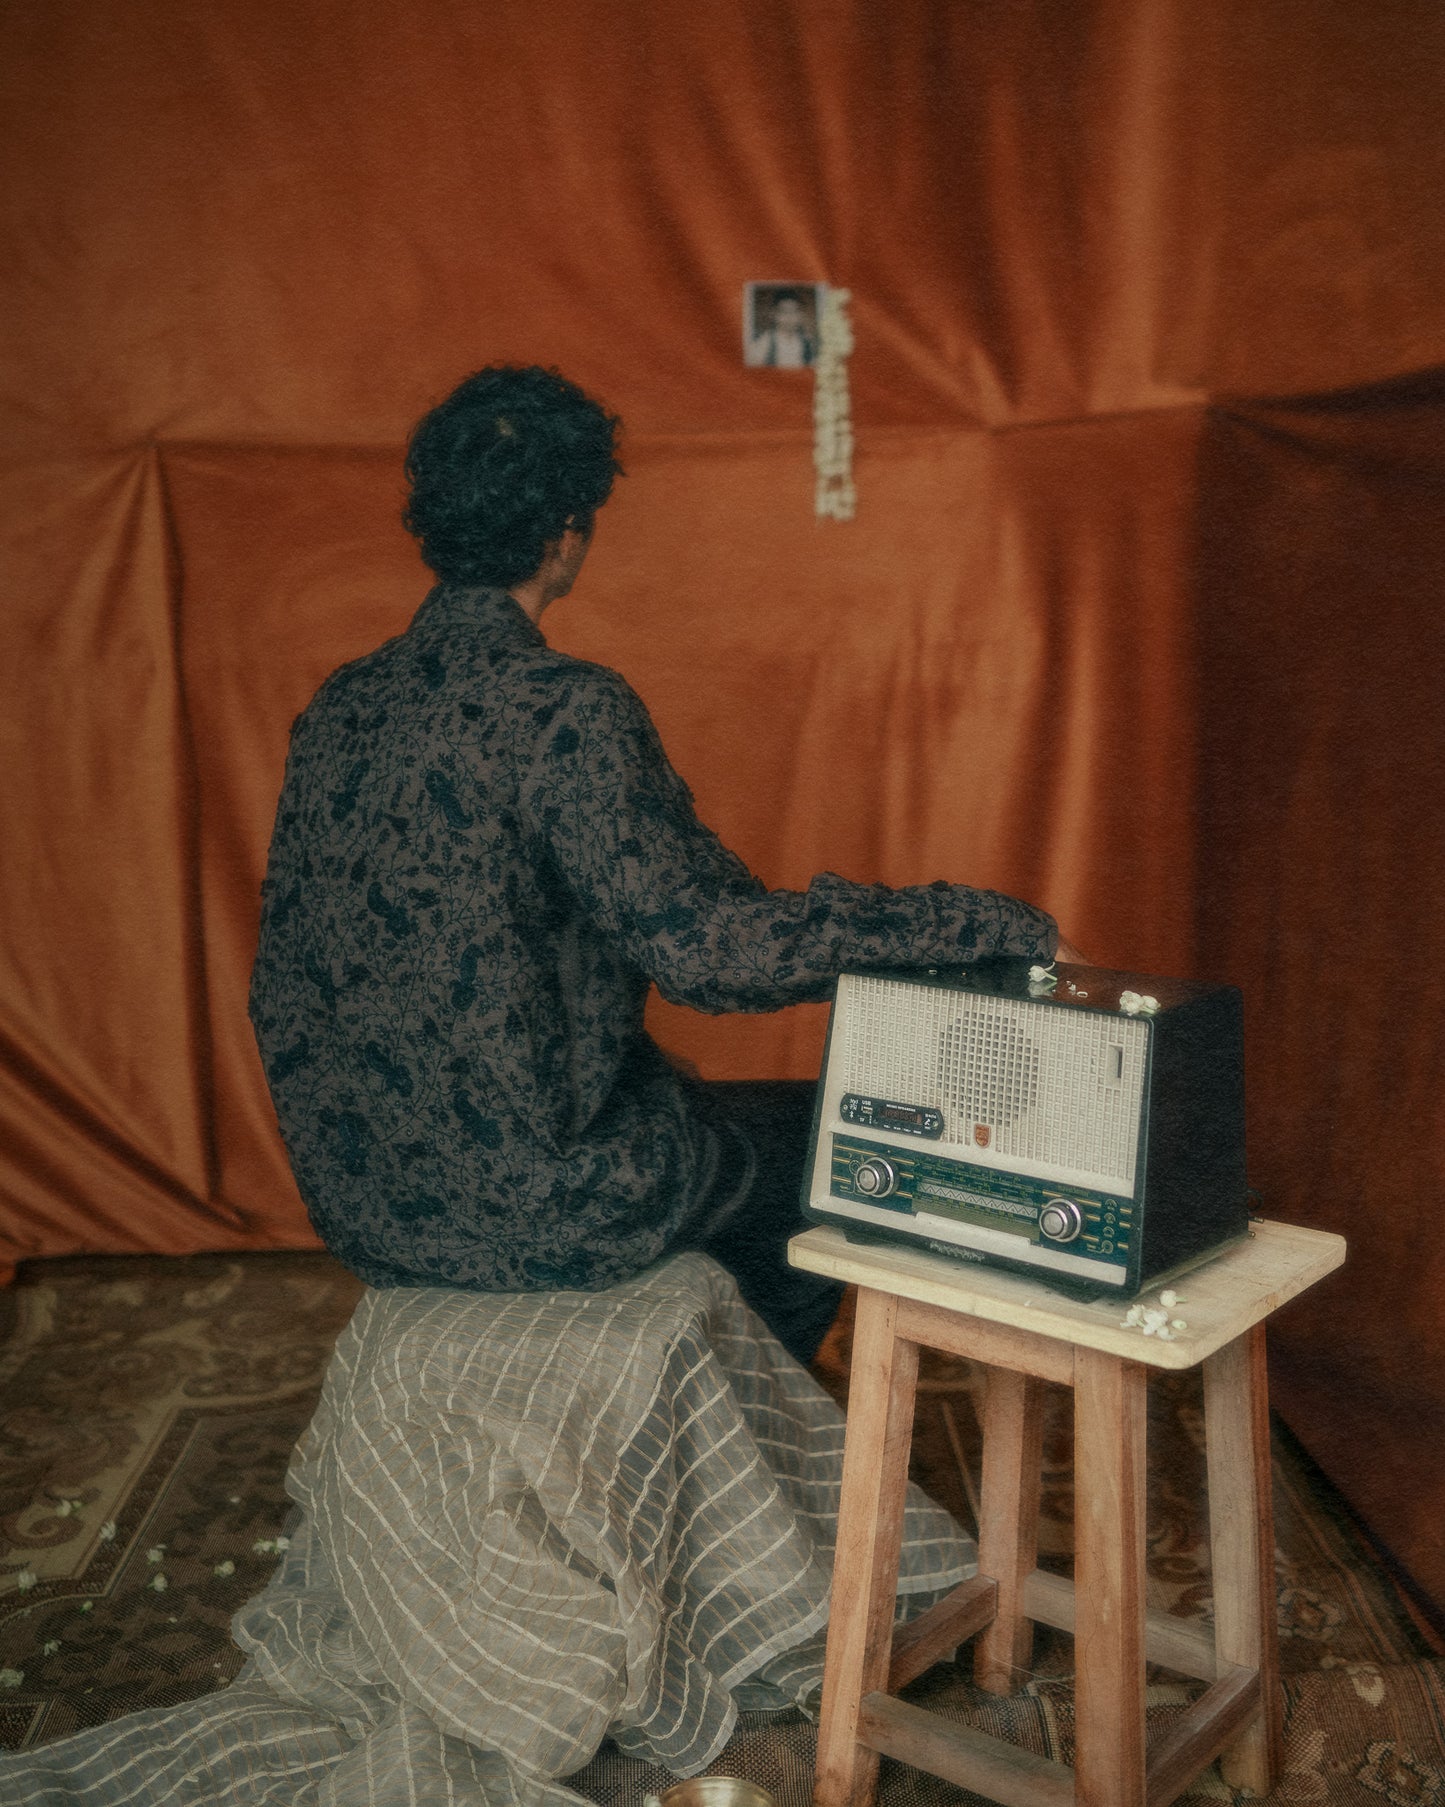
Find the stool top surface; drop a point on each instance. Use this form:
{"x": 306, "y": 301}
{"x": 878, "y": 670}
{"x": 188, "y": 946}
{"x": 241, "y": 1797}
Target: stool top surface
{"x": 1217, "y": 1301}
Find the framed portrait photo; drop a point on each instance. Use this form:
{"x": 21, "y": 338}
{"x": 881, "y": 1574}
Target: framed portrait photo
{"x": 780, "y": 324}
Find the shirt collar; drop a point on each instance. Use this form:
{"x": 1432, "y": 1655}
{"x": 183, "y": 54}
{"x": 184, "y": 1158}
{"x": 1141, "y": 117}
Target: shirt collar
{"x": 493, "y": 616}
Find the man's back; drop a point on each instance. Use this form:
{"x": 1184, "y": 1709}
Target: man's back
{"x": 442, "y": 1026}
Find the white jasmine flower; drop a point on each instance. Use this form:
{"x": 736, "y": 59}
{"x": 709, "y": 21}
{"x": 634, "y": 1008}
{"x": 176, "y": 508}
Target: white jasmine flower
{"x": 1153, "y": 1320}
{"x": 1134, "y": 1003}
{"x": 25, "y": 1580}
{"x": 50, "y": 1647}
{"x": 107, "y": 1531}
{"x": 224, "y": 1568}
{"x": 65, "y": 1508}
{"x": 263, "y": 1546}
{"x": 11, "y": 1678}
{"x": 1169, "y": 1298}
{"x": 1040, "y": 974}
{"x": 156, "y": 1553}
{"x": 233, "y": 1499}
{"x": 283, "y": 1543}
{"x": 87, "y": 1606}
{"x": 159, "y": 1583}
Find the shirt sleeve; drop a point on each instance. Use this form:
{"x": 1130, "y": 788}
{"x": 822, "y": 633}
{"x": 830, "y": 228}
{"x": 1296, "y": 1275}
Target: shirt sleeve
{"x": 619, "y": 826}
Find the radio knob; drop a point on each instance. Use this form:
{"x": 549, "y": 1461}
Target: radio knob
{"x": 875, "y": 1178}
{"x": 1061, "y": 1220}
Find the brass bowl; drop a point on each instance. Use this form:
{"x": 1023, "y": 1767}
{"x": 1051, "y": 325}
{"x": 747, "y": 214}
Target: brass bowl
{"x": 712, "y": 1791}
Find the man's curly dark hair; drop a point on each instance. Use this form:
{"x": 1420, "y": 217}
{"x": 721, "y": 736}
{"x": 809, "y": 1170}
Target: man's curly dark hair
{"x": 513, "y": 457}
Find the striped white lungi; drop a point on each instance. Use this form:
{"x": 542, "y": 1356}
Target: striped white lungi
{"x": 527, "y": 1521}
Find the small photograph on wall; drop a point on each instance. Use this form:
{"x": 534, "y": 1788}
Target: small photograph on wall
{"x": 780, "y": 324}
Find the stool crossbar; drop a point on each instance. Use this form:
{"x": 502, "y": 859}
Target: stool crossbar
{"x": 1025, "y": 1336}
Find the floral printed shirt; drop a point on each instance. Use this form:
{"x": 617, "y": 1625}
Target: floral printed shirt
{"x": 481, "y": 861}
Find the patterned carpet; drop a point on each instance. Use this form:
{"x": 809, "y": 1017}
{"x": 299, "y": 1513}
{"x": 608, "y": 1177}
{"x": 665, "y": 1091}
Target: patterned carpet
{"x": 148, "y": 1407}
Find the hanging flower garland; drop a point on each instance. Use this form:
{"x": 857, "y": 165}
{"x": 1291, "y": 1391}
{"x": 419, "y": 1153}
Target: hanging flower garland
{"x": 835, "y": 497}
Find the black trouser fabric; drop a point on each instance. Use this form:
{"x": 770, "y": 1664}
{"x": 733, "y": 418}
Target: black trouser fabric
{"x": 749, "y": 1234}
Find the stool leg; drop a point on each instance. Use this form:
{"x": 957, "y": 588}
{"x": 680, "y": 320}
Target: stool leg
{"x": 1008, "y": 1528}
{"x": 1110, "y": 1402}
{"x": 870, "y": 1534}
{"x": 1241, "y": 1536}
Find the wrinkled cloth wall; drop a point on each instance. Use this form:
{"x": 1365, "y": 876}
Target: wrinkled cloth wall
{"x": 1103, "y": 633}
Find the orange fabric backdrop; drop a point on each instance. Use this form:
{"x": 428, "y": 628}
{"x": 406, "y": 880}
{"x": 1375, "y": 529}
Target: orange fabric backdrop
{"x": 1104, "y": 633}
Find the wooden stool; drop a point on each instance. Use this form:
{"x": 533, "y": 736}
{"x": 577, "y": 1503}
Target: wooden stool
{"x": 1025, "y": 1335}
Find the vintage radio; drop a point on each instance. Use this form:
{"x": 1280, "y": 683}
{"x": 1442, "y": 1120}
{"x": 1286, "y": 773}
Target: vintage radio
{"x": 1085, "y": 1127}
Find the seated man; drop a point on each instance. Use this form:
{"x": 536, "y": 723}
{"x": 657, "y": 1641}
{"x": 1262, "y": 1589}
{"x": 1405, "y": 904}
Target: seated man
{"x": 481, "y": 861}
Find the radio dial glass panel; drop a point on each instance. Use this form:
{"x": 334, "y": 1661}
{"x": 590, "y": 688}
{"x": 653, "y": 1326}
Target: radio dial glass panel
{"x": 876, "y": 1181}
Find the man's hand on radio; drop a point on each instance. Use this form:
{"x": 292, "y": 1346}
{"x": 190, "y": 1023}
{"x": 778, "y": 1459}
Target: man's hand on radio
{"x": 1070, "y": 955}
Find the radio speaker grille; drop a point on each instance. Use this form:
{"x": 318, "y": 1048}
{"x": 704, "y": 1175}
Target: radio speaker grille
{"x": 988, "y": 1069}
{"x": 1058, "y": 1086}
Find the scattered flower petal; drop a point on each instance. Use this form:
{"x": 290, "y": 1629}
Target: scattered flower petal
{"x": 156, "y": 1553}
{"x": 263, "y": 1546}
{"x": 1168, "y": 1297}
{"x": 25, "y": 1580}
{"x": 1039, "y": 973}
{"x": 233, "y": 1499}
{"x": 283, "y": 1543}
{"x": 50, "y": 1646}
{"x": 11, "y": 1678}
{"x": 224, "y": 1568}
{"x": 159, "y": 1583}
{"x": 87, "y": 1606}
{"x": 1153, "y": 1320}
{"x": 65, "y": 1508}
{"x": 107, "y": 1531}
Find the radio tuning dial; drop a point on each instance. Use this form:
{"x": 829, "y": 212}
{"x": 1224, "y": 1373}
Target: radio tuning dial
{"x": 1061, "y": 1220}
{"x": 875, "y": 1177}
